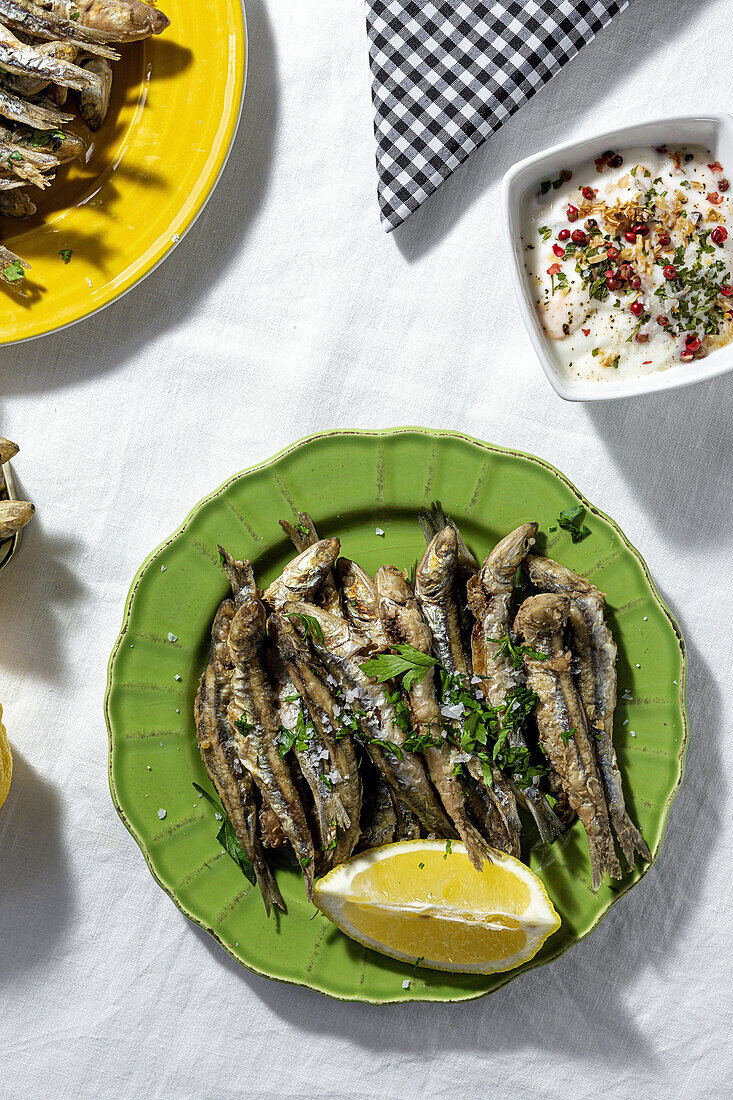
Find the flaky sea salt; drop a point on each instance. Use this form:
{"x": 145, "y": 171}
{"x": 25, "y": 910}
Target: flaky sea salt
{"x": 379, "y": 531}
{"x": 406, "y": 983}
{"x": 162, "y": 569}
{"x": 176, "y": 677}
{"x": 162, "y": 813}
{"x": 172, "y": 637}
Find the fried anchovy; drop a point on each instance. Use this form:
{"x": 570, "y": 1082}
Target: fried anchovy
{"x": 302, "y": 535}
{"x": 28, "y": 86}
{"x": 22, "y": 60}
{"x": 28, "y": 164}
{"x": 360, "y": 601}
{"x": 432, "y": 520}
{"x": 403, "y": 624}
{"x": 435, "y": 588}
{"x": 342, "y": 649}
{"x": 328, "y": 762}
{"x": 30, "y": 114}
{"x": 221, "y": 760}
{"x": 9, "y": 259}
{"x": 121, "y": 20}
{"x": 490, "y": 599}
{"x": 595, "y": 652}
{"x": 252, "y": 715}
{"x": 563, "y": 727}
{"x": 27, "y": 17}
{"x": 303, "y": 576}
{"x": 94, "y": 102}
{"x": 62, "y": 146}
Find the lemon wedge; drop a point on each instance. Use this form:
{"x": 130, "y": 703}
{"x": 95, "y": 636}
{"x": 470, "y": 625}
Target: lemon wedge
{"x": 6, "y": 761}
{"x": 424, "y": 899}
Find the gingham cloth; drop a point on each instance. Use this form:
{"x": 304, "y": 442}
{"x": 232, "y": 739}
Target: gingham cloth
{"x": 447, "y": 74}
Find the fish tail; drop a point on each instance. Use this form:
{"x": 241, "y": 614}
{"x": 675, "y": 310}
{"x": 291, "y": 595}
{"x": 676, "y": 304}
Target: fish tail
{"x": 603, "y": 858}
{"x": 629, "y": 837}
{"x": 548, "y": 824}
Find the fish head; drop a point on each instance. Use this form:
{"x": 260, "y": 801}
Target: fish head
{"x": 542, "y": 617}
{"x": 435, "y": 574}
{"x": 326, "y": 630}
{"x": 551, "y": 576}
{"x": 357, "y": 588}
{"x": 399, "y": 612}
{"x": 247, "y": 629}
{"x": 500, "y": 567}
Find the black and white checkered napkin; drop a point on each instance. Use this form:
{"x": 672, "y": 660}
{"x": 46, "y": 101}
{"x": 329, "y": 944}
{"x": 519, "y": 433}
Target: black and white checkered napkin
{"x": 447, "y": 73}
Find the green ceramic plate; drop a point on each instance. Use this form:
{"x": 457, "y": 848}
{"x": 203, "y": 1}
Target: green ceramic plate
{"x": 352, "y": 483}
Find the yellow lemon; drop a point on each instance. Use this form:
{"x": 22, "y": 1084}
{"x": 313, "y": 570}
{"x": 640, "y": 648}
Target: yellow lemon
{"x": 424, "y": 899}
{"x": 6, "y": 761}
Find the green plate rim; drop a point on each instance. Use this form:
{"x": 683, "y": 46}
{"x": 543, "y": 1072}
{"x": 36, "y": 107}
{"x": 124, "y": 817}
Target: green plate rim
{"x": 432, "y": 433}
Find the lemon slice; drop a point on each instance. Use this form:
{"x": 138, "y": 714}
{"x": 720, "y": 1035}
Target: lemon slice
{"x": 6, "y": 762}
{"x": 424, "y": 899}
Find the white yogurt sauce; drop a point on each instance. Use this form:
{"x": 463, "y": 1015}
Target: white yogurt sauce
{"x": 667, "y": 295}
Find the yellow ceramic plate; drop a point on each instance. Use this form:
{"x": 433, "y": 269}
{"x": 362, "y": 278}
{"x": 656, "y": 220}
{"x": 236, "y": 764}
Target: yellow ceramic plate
{"x": 175, "y": 106}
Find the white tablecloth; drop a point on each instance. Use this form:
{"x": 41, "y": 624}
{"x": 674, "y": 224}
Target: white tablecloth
{"x": 288, "y": 306}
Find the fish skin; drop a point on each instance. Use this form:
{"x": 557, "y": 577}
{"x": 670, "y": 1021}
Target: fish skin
{"x": 403, "y": 623}
{"x": 490, "y": 598}
{"x": 25, "y": 16}
{"x": 30, "y": 114}
{"x": 122, "y": 20}
{"x": 303, "y": 536}
{"x": 30, "y": 166}
{"x": 303, "y": 576}
{"x": 359, "y": 597}
{"x": 230, "y": 777}
{"x": 94, "y": 102}
{"x": 22, "y": 60}
{"x": 435, "y": 582}
{"x": 595, "y": 652}
{"x": 253, "y": 699}
{"x": 27, "y": 86}
{"x": 541, "y": 621}
{"x": 432, "y": 520}
{"x": 435, "y": 591}
{"x": 338, "y": 808}
{"x": 342, "y": 652}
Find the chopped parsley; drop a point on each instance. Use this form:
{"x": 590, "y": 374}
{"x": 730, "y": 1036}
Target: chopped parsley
{"x": 65, "y": 254}
{"x": 545, "y": 232}
{"x": 572, "y": 518}
{"x": 13, "y": 272}
{"x": 408, "y": 663}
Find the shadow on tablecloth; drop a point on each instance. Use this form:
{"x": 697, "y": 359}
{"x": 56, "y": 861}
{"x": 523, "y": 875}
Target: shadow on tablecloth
{"x": 36, "y": 890}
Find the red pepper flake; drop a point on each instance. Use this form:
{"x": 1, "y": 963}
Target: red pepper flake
{"x": 585, "y": 331}
{"x": 647, "y": 362}
{"x": 716, "y": 167}
{"x": 555, "y": 269}
{"x": 715, "y": 198}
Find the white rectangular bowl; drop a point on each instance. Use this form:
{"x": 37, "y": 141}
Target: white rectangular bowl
{"x": 714, "y": 132}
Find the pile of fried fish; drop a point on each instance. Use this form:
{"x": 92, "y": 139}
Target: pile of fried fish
{"x": 46, "y": 49}
{"x": 338, "y": 712}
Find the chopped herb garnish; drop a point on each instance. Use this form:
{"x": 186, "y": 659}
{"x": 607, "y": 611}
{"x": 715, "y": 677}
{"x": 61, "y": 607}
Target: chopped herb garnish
{"x": 228, "y": 838}
{"x": 408, "y": 663}
{"x": 65, "y": 254}
{"x": 572, "y": 520}
{"x": 13, "y": 272}
{"x": 544, "y": 232}
{"x": 310, "y": 624}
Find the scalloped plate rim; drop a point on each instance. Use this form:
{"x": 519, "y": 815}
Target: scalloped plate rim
{"x": 434, "y": 433}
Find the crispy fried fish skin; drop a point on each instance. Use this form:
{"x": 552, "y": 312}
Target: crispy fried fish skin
{"x": 302, "y": 535}
{"x": 226, "y": 771}
{"x": 122, "y": 20}
{"x": 30, "y": 114}
{"x": 490, "y": 600}
{"x": 252, "y": 715}
{"x": 94, "y": 102}
{"x": 25, "y": 16}
{"x": 359, "y": 597}
{"x": 303, "y": 576}
{"x": 435, "y": 590}
{"x": 563, "y": 726}
{"x": 403, "y": 623}
{"x": 329, "y": 763}
{"x": 595, "y": 652}
{"x": 22, "y": 60}
{"x": 342, "y": 653}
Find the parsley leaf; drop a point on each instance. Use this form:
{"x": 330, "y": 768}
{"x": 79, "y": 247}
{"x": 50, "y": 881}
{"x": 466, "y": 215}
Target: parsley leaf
{"x": 13, "y": 272}
{"x": 407, "y": 662}
{"x": 228, "y": 838}
{"x": 65, "y": 254}
{"x": 572, "y": 520}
